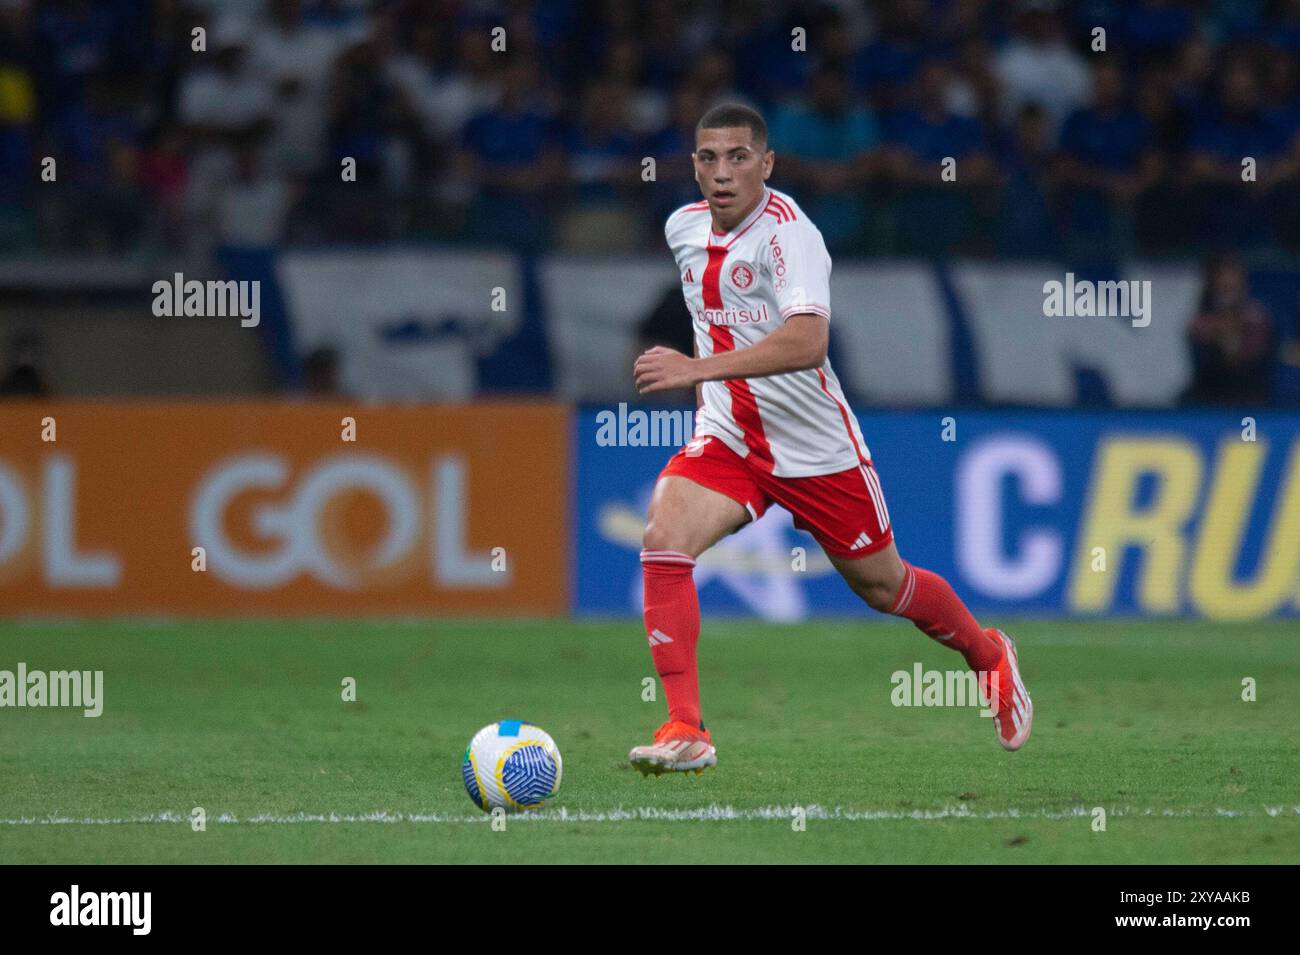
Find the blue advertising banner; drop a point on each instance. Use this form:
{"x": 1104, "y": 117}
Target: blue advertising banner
{"x": 1026, "y": 513}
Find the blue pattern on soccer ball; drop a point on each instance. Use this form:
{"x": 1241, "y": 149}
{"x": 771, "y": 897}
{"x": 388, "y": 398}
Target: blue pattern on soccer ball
{"x": 471, "y": 784}
{"x": 529, "y": 775}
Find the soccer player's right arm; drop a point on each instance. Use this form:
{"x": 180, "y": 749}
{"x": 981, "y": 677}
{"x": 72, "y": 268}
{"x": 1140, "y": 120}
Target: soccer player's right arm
{"x": 695, "y": 344}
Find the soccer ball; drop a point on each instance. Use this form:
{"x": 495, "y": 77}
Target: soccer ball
{"x": 513, "y": 765}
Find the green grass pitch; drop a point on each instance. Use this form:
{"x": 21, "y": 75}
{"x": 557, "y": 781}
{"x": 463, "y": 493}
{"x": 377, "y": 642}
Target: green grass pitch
{"x": 246, "y": 720}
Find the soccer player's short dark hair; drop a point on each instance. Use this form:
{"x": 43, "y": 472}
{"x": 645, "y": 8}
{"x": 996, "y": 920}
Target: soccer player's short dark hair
{"x": 732, "y": 116}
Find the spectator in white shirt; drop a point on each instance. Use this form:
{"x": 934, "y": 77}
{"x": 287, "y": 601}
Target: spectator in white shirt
{"x": 1038, "y": 66}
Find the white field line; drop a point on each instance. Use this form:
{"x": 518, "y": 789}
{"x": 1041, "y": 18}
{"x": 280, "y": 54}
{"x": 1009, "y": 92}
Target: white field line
{"x": 712, "y": 813}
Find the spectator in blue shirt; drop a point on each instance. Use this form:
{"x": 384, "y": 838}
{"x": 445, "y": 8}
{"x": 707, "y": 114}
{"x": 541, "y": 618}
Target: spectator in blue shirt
{"x": 601, "y": 156}
{"x": 1234, "y": 128}
{"x": 1151, "y": 29}
{"x": 512, "y": 153}
{"x": 942, "y": 165}
{"x": 1029, "y": 228}
{"x": 827, "y": 150}
{"x": 671, "y": 149}
{"x": 73, "y": 42}
{"x": 1106, "y": 159}
{"x": 886, "y": 67}
{"x": 1232, "y": 209}
{"x": 923, "y": 135}
{"x": 1283, "y": 31}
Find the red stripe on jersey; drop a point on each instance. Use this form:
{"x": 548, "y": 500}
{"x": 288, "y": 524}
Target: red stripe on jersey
{"x": 774, "y": 210}
{"x": 693, "y": 207}
{"x": 744, "y": 407}
{"x": 784, "y": 206}
{"x": 844, "y": 413}
{"x": 710, "y": 283}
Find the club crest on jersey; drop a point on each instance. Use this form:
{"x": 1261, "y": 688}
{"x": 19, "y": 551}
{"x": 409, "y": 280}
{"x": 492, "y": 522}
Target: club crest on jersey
{"x": 741, "y": 276}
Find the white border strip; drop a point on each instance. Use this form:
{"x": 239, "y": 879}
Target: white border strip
{"x": 712, "y": 813}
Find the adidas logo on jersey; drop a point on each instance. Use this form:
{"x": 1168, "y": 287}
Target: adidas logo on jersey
{"x": 862, "y": 541}
{"x": 658, "y": 637}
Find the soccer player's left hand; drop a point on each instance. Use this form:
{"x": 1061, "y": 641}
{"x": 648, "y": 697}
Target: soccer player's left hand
{"x": 663, "y": 369}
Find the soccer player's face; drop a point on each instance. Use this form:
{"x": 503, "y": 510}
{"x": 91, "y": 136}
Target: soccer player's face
{"x": 730, "y": 169}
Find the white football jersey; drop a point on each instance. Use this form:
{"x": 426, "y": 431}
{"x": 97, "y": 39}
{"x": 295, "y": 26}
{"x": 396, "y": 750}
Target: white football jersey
{"x": 740, "y": 287}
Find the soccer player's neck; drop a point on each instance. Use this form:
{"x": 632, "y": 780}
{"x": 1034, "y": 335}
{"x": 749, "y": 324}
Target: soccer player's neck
{"x": 724, "y": 223}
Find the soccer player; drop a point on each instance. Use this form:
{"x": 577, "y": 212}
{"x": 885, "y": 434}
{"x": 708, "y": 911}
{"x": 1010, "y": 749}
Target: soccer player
{"x": 772, "y": 427}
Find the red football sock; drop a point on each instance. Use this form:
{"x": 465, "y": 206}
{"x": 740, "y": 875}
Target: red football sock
{"x": 672, "y": 625}
{"x": 928, "y": 601}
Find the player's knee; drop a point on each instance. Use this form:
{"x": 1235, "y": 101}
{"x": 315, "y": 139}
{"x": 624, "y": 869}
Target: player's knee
{"x": 878, "y": 594}
{"x": 879, "y": 588}
{"x": 660, "y": 535}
